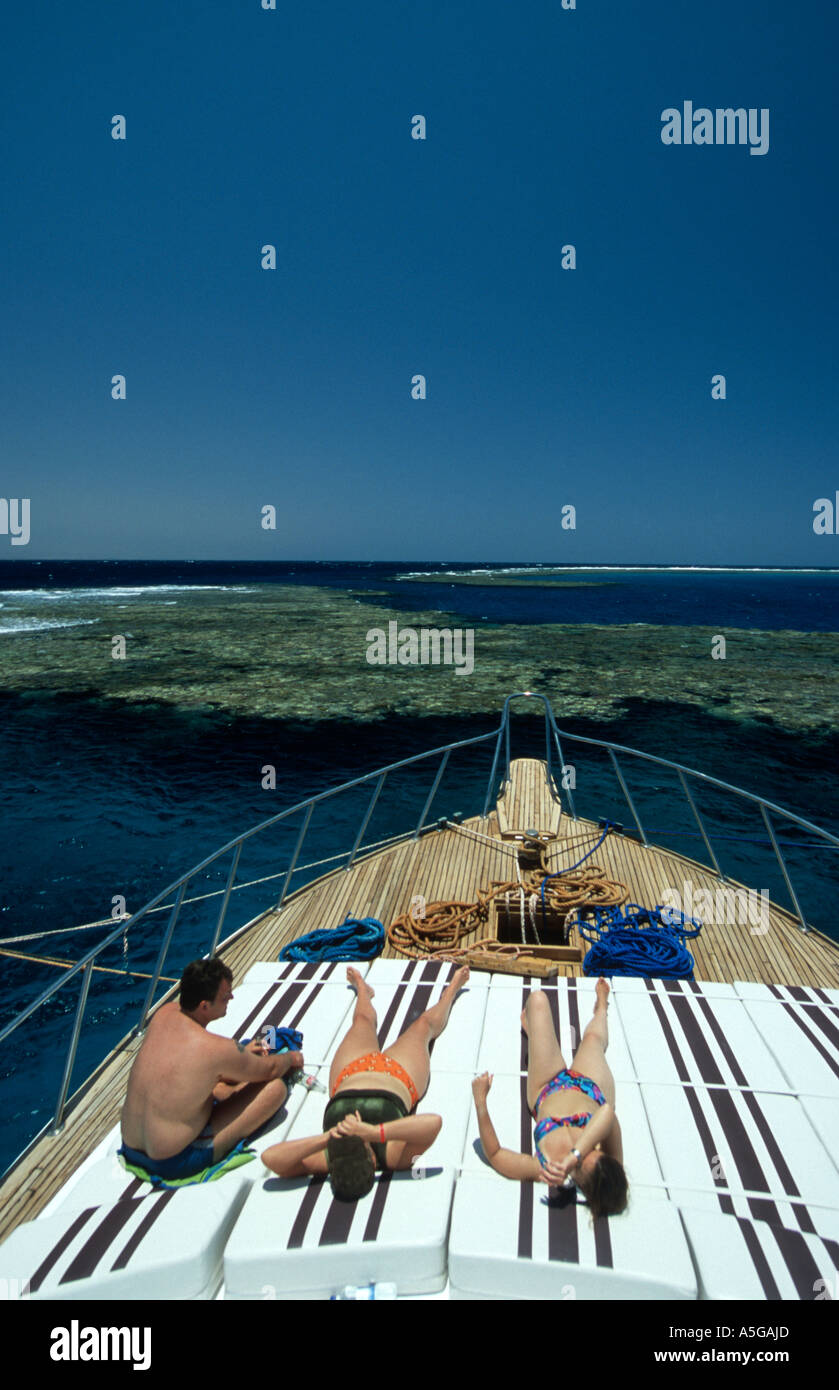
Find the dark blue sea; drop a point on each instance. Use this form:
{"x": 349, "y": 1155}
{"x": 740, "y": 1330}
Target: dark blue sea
{"x": 801, "y": 600}
{"x": 102, "y": 804}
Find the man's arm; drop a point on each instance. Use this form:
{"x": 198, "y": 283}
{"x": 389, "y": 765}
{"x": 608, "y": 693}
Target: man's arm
{"x": 237, "y": 1063}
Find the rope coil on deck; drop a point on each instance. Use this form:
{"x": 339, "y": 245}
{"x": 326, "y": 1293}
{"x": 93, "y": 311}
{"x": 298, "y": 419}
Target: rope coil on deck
{"x": 357, "y": 938}
{"x": 445, "y": 923}
{"x": 442, "y": 926}
{"x": 640, "y": 941}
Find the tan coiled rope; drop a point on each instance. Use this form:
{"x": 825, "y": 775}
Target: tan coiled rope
{"x": 444, "y": 924}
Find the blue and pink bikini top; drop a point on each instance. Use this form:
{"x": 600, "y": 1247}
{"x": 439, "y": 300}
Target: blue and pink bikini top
{"x": 564, "y": 1081}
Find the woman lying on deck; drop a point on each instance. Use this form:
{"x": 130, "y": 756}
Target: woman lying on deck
{"x": 577, "y": 1134}
{"x": 369, "y": 1122}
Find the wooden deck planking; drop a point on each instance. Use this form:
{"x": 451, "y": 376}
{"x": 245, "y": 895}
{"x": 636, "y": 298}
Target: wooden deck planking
{"x": 452, "y": 863}
{"x": 528, "y": 801}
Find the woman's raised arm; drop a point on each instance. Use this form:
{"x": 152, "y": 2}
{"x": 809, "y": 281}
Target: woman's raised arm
{"x": 613, "y": 1143}
{"x": 295, "y": 1158}
{"x": 520, "y": 1167}
{"x": 405, "y": 1139}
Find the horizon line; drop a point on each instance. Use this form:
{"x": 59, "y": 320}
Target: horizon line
{"x": 488, "y": 564}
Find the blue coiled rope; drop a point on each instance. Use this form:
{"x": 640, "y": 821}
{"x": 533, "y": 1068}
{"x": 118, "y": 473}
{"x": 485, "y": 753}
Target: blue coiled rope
{"x": 357, "y": 938}
{"x": 635, "y": 940}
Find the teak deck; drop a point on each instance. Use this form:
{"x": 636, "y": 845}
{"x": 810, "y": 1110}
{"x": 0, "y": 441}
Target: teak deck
{"x": 441, "y": 864}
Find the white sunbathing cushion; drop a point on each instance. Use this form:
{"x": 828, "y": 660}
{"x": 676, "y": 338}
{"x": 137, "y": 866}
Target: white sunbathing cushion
{"x": 722, "y": 1143}
{"x": 738, "y": 1258}
{"x": 294, "y": 1240}
{"x": 804, "y": 1039}
{"x": 685, "y": 1037}
{"x": 267, "y": 972}
{"x": 509, "y": 1241}
{"x": 158, "y": 1246}
{"x": 792, "y": 994}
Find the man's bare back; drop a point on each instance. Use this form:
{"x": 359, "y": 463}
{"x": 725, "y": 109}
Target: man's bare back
{"x": 186, "y": 1081}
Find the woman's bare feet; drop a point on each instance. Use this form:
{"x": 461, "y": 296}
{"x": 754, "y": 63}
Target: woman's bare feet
{"x": 458, "y": 980}
{"x": 358, "y": 983}
{"x": 438, "y": 1016}
{"x": 602, "y": 992}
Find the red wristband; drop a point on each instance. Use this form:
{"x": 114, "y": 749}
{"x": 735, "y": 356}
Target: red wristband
{"x": 382, "y": 1134}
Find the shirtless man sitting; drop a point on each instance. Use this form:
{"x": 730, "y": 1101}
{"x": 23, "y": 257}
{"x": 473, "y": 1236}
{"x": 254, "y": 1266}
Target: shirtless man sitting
{"x": 192, "y": 1095}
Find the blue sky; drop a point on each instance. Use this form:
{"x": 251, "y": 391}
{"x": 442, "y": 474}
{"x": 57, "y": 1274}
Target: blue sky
{"x": 395, "y": 257}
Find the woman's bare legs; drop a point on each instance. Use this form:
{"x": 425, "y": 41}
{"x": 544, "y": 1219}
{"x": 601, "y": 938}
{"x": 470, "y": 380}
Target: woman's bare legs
{"x": 411, "y": 1049}
{"x": 544, "y": 1055}
{"x": 361, "y": 1036}
{"x": 590, "y": 1057}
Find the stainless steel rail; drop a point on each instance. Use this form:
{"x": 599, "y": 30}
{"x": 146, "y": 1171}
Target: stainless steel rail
{"x": 683, "y": 774}
{"x": 686, "y": 772}
{"x": 553, "y": 739}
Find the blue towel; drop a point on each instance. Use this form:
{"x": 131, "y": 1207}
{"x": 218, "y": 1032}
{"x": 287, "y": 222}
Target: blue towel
{"x": 281, "y": 1039}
